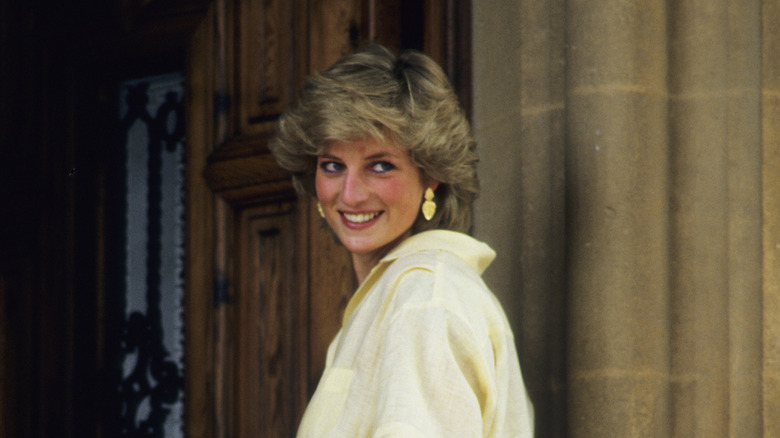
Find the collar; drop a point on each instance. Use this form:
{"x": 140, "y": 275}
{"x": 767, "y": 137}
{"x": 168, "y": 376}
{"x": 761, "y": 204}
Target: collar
{"x": 476, "y": 254}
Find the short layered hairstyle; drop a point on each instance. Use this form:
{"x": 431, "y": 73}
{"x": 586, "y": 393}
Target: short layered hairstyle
{"x": 405, "y": 99}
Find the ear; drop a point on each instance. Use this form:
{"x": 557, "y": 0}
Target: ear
{"x": 432, "y": 184}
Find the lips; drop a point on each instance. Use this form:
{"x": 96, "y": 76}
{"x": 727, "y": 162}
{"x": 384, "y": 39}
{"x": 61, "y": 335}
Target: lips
{"x": 360, "y": 218}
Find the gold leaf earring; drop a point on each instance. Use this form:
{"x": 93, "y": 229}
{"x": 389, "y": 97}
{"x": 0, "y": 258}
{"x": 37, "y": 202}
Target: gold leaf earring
{"x": 428, "y": 207}
{"x": 319, "y": 210}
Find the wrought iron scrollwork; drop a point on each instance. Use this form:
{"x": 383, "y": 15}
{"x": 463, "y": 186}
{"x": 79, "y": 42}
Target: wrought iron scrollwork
{"x": 151, "y": 381}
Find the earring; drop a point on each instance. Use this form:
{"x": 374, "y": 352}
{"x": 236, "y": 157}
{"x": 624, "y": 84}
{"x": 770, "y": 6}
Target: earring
{"x": 319, "y": 210}
{"x": 428, "y": 207}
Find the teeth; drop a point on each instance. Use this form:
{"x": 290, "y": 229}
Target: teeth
{"x": 360, "y": 218}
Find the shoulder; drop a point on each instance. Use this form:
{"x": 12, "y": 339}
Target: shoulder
{"x": 434, "y": 269}
{"x": 439, "y": 282}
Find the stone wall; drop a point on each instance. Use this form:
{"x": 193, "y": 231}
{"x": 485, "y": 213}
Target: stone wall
{"x": 631, "y": 186}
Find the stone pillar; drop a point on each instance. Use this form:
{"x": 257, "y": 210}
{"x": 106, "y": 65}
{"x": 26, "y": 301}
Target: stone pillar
{"x": 698, "y": 134}
{"x": 744, "y": 255}
{"x": 518, "y": 119}
{"x": 714, "y": 86}
{"x": 770, "y": 369}
{"x": 539, "y": 228}
{"x": 670, "y": 181}
{"x": 617, "y": 209}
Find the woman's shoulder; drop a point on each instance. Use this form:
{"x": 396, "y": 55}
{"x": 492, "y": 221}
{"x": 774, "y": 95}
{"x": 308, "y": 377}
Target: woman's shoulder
{"x": 434, "y": 266}
{"x": 434, "y": 279}
{"x": 432, "y": 244}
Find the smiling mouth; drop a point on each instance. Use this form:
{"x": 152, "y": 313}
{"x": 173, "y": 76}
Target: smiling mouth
{"x": 360, "y": 218}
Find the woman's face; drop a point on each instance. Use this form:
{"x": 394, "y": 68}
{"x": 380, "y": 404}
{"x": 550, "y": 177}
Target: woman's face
{"x": 370, "y": 194}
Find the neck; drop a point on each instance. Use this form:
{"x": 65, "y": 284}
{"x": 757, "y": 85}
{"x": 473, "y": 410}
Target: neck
{"x": 363, "y": 264}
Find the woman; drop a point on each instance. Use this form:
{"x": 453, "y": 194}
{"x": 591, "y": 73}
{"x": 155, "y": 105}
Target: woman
{"x": 425, "y": 349}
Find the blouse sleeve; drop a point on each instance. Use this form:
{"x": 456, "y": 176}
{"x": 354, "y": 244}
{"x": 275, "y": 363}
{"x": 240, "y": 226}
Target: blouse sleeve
{"x": 435, "y": 378}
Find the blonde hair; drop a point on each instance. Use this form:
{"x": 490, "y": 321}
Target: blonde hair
{"x": 404, "y": 99}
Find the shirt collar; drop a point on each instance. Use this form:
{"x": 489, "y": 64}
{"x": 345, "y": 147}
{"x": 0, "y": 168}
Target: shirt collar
{"x": 476, "y": 254}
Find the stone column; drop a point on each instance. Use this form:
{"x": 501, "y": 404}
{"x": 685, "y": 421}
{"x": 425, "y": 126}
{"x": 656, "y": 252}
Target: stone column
{"x": 617, "y": 233}
{"x": 519, "y": 125}
{"x": 671, "y": 182}
{"x": 697, "y": 88}
{"x": 770, "y": 370}
{"x": 714, "y": 113}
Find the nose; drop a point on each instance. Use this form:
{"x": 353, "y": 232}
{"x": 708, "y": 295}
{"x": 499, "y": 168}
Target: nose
{"x": 355, "y": 189}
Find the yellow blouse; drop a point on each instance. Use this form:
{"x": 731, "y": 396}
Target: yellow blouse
{"x": 425, "y": 350}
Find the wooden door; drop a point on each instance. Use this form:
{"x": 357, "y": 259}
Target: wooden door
{"x": 254, "y": 340}
{"x": 267, "y": 285}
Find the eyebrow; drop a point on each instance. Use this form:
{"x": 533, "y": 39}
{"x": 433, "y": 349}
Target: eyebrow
{"x": 376, "y": 156}
{"x": 380, "y": 155}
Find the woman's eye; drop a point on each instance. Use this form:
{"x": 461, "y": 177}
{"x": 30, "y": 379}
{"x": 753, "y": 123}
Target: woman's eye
{"x": 330, "y": 166}
{"x": 382, "y": 167}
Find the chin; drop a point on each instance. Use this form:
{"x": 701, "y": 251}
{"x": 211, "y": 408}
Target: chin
{"x": 360, "y": 248}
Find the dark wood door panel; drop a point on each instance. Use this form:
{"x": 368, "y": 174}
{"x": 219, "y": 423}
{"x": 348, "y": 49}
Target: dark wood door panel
{"x": 267, "y": 320}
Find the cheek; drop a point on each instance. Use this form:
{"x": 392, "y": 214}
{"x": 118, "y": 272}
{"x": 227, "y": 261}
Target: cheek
{"x": 404, "y": 195}
{"x": 324, "y": 189}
